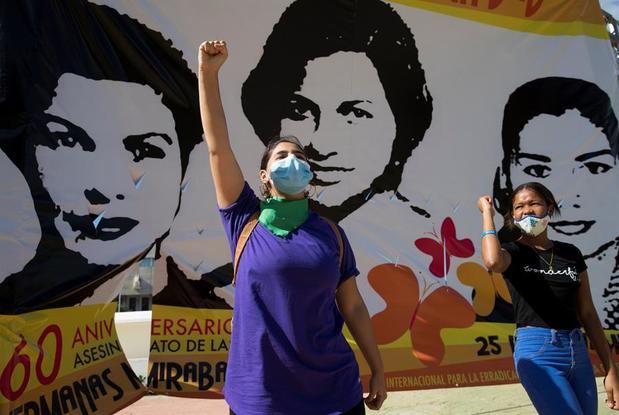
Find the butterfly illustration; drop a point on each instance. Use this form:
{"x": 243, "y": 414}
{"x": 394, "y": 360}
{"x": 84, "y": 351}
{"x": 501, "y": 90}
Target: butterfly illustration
{"x": 442, "y": 248}
{"x": 424, "y": 313}
{"x": 487, "y": 285}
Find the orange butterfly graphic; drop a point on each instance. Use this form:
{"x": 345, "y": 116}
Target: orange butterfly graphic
{"x": 487, "y": 286}
{"x": 423, "y": 313}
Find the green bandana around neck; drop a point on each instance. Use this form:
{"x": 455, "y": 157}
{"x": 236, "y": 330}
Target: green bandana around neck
{"x": 281, "y": 216}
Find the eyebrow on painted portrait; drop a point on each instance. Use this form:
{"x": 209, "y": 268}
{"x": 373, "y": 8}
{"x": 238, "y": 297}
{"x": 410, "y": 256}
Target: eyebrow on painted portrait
{"x": 597, "y": 162}
{"x": 145, "y": 145}
{"x": 353, "y": 111}
{"x": 301, "y": 108}
{"x": 67, "y": 134}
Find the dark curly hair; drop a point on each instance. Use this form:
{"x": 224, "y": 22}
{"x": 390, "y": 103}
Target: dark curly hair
{"x": 310, "y": 29}
{"x": 49, "y": 39}
{"x": 553, "y": 96}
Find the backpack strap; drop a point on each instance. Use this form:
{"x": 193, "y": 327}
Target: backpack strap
{"x": 340, "y": 240}
{"x": 240, "y": 244}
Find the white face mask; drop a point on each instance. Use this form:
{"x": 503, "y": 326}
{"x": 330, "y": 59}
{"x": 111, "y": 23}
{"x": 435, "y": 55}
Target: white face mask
{"x": 532, "y": 225}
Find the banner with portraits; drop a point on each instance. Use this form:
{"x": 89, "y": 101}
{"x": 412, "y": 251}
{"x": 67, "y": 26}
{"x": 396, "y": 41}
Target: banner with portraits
{"x": 409, "y": 110}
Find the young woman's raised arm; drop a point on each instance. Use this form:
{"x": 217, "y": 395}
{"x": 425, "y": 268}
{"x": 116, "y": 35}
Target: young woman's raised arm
{"x": 227, "y": 175}
{"x": 495, "y": 258}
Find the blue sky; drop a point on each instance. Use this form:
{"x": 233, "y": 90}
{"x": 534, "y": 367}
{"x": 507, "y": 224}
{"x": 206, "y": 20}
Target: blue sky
{"x": 611, "y": 6}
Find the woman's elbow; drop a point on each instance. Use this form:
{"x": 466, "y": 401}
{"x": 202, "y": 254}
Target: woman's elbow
{"x": 491, "y": 264}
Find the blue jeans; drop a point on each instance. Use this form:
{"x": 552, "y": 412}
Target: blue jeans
{"x": 555, "y": 370}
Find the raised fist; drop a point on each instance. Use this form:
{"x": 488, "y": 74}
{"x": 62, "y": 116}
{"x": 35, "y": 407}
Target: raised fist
{"x": 484, "y": 203}
{"x": 212, "y": 54}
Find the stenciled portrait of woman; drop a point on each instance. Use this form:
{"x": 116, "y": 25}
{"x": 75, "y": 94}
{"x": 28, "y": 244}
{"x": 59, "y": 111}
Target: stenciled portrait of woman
{"x": 563, "y": 133}
{"x": 104, "y": 115}
{"x": 344, "y": 78}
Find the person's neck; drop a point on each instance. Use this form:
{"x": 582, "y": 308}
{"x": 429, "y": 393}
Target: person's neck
{"x": 287, "y": 197}
{"x": 540, "y": 241}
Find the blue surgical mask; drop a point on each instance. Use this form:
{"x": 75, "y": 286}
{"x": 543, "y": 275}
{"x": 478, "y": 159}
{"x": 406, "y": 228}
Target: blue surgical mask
{"x": 290, "y": 175}
{"x": 532, "y": 225}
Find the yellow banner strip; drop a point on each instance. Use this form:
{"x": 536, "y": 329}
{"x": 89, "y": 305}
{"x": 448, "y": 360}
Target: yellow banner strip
{"x": 575, "y": 18}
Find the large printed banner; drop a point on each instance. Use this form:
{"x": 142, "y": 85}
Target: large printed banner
{"x": 409, "y": 111}
{"x": 57, "y": 361}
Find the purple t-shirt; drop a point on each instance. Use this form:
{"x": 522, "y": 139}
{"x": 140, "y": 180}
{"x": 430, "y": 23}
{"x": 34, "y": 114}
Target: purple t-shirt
{"x": 288, "y": 354}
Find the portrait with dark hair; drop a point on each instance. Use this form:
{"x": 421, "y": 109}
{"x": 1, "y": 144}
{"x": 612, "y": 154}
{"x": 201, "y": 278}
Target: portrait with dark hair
{"x": 563, "y": 133}
{"x": 100, "y": 119}
{"x": 357, "y": 138}
{"x": 344, "y": 77}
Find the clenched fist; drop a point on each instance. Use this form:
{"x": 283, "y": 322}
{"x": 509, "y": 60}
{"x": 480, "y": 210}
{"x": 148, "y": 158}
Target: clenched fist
{"x": 211, "y": 55}
{"x": 484, "y": 203}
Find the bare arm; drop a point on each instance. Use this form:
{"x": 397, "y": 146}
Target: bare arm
{"x": 357, "y": 318}
{"x": 591, "y": 323}
{"x": 227, "y": 176}
{"x": 495, "y": 258}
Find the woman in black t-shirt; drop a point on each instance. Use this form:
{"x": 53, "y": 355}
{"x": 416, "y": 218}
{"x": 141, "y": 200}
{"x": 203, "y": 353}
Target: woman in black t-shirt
{"x": 540, "y": 118}
{"x": 549, "y": 286}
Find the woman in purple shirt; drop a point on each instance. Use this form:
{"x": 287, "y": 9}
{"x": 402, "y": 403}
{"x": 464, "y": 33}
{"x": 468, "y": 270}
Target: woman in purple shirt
{"x": 294, "y": 288}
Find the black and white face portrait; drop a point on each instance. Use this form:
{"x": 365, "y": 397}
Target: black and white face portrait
{"x": 340, "y": 121}
{"x": 572, "y": 157}
{"x": 351, "y": 88}
{"x": 563, "y": 133}
{"x": 112, "y": 167}
{"x": 103, "y": 144}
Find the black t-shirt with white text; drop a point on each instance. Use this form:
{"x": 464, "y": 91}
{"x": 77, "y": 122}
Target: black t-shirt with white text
{"x": 544, "y": 284}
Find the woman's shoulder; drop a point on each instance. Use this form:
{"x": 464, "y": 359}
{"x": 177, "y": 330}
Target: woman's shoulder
{"x": 324, "y": 228}
{"x": 247, "y": 196}
{"x": 318, "y": 221}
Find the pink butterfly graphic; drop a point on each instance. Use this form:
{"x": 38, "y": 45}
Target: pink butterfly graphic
{"x": 442, "y": 248}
